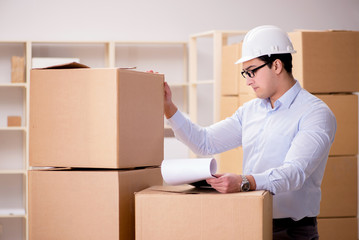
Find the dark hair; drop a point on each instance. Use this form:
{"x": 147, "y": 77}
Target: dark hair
{"x": 285, "y": 58}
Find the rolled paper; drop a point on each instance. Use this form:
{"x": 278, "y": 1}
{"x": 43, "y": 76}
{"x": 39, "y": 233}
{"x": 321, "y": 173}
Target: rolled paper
{"x": 189, "y": 170}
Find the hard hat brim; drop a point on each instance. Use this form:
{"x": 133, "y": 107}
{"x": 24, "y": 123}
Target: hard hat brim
{"x": 247, "y": 58}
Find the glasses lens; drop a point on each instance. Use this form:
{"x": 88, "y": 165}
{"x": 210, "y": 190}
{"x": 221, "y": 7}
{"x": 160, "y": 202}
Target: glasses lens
{"x": 243, "y": 74}
{"x": 250, "y": 74}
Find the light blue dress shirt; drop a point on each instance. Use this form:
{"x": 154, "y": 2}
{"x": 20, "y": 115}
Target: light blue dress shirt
{"x": 285, "y": 148}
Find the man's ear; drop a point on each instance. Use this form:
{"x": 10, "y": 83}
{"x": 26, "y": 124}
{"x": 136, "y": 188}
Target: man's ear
{"x": 278, "y": 66}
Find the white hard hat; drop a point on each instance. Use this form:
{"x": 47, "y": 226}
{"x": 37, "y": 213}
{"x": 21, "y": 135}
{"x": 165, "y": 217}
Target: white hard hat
{"x": 265, "y": 40}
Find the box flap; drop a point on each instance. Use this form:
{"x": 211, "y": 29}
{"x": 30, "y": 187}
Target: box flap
{"x": 67, "y": 66}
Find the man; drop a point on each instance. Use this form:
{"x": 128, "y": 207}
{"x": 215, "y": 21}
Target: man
{"x": 286, "y": 134}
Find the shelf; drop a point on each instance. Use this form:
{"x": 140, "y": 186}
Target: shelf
{"x": 12, "y": 171}
{"x": 24, "y": 85}
{"x": 168, "y": 132}
{"x": 102, "y": 54}
{"x": 13, "y": 129}
{"x": 12, "y": 213}
{"x": 178, "y": 84}
{"x": 202, "y": 82}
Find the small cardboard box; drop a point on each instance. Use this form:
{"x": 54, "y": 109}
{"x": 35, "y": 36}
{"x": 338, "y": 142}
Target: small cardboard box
{"x": 180, "y": 212}
{"x": 17, "y": 69}
{"x": 345, "y": 109}
{"x": 338, "y": 228}
{"x": 340, "y": 188}
{"x": 97, "y": 118}
{"x": 14, "y": 121}
{"x": 85, "y": 204}
{"x": 326, "y": 61}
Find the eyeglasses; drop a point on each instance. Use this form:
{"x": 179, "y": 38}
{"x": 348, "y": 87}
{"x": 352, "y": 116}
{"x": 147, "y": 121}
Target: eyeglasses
{"x": 250, "y": 73}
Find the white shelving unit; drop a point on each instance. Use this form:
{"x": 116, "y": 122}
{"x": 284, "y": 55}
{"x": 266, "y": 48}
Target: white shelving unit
{"x": 14, "y": 100}
{"x": 218, "y": 40}
{"x": 13, "y": 145}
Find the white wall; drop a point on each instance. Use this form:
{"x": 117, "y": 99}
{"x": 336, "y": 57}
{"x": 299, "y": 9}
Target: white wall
{"x": 164, "y": 19}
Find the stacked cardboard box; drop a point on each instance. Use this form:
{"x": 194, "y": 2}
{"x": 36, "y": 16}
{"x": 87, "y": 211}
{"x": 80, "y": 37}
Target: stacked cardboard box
{"x": 235, "y": 93}
{"x": 103, "y": 131}
{"x": 168, "y": 212}
{"x": 326, "y": 64}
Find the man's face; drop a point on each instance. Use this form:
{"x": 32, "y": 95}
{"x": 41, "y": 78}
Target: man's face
{"x": 263, "y": 82}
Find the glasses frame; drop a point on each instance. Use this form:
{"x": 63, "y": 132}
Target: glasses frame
{"x": 251, "y": 73}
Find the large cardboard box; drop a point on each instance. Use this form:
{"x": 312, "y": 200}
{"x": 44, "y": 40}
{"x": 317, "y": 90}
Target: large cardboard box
{"x": 229, "y": 105}
{"x": 326, "y": 61}
{"x": 345, "y": 109}
{"x": 165, "y": 212}
{"x": 231, "y": 161}
{"x": 340, "y": 188}
{"x": 85, "y": 204}
{"x": 338, "y": 228}
{"x": 100, "y": 118}
{"x": 230, "y": 70}
{"x": 232, "y": 81}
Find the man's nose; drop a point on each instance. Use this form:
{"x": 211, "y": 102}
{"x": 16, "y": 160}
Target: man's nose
{"x": 249, "y": 81}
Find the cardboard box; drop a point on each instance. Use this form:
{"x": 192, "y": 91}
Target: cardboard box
{"x": 232, "y": 82}
{"x": 345, "y": 109}
{"x": 84, "y": 204}
{"x": 231, "y": 161}
{"x": 17, "y": 69}
{"x": 326, "y": 61}
{"x": 243, "y": 98}
{"x": 100, "y": 118}
{"x": 166, "y": 212}
{"x": 338, "y": 228}
{"x": 229, "y": 105}
{"x": 230, "y": 70}
{"x": 14, "y": 121}
{"x": 340, "y": 188}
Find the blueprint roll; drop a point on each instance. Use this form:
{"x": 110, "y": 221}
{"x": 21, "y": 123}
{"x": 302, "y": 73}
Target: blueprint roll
{"x": 189, "y": 170}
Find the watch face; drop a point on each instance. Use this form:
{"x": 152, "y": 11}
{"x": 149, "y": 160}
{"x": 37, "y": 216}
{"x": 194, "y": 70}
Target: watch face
{"x": 245, "y": 187}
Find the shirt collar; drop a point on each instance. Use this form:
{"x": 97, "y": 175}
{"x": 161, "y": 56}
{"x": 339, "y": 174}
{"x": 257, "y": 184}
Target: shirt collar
{"x": 286, "y": 99}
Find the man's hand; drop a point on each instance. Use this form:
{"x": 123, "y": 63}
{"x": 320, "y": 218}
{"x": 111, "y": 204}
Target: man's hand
{"x": 169, "y": 108}
{"x": 226, "y": 183}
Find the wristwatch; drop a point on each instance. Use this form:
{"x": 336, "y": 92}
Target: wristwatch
{"x": 245, "y": 186}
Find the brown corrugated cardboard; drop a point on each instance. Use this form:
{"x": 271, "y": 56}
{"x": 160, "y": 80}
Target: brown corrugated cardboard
{"x": 83, "y": 204}
{"x": 243, "y": 98}
{"x": 14, "y": 121}
{"x": 232, "y": 82}
{"x": 17, "y": 69}
{"x": 164, "y": 213}
{"x": 230, "y": 70}
{"x": 339, "y": 188}
{"x": 338, "y": 228}
{"x": 100, "y": 118}
{"x": 229, "y": 105}
{"x": 326, "y": 61}
{"x": 345, "y": 109}
{"x": 231, "y": 161}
